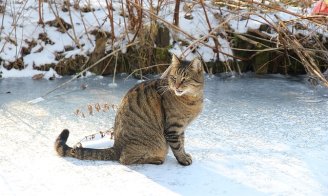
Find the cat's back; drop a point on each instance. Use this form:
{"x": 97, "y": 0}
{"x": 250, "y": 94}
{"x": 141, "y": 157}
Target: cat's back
{"x": 143, "y": 94}
{"x": 141, "y": 108}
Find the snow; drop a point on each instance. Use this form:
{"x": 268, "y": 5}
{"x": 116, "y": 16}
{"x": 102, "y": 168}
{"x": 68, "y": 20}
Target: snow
{"x": 257, "y": 135}
{"x": 20, "y": 25}
{"x": 14, "y": 73}
{"x": 28, "y": 29}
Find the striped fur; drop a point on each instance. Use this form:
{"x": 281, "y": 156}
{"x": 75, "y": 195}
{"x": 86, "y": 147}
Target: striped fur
{"x": 152, "y": 117}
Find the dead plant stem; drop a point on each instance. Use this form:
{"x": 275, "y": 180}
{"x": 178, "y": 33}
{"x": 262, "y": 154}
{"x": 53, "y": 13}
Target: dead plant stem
{"x": 149, "y": 67}
{"x": 76, "y": 40}
{"x": 111, "y": 19}
{"x": 85, "y": 28}
{"x": 215, "y": 39}
{"x": 56, "y": 13}
{"x": 116, "y": 57}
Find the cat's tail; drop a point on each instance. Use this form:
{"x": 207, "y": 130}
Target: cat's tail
{"x": 61, "y": 147}
{"x": 64, "y": 150}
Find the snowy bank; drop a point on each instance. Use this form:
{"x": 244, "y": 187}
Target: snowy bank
{"x": 68, "y": 36}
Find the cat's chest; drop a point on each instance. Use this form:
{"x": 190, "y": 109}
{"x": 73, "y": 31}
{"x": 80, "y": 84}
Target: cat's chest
{"x": 193, "y": 108}
{"x": 183, "y": 110}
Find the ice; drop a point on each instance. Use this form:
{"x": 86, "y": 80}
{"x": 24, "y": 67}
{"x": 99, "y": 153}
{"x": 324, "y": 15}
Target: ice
{"x": 37, "y": 100}
{"x": 257, "y": 135}
{"x": 112, "y": 85}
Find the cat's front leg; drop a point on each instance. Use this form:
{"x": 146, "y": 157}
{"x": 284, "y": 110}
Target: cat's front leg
{"x": 176, "y": 142}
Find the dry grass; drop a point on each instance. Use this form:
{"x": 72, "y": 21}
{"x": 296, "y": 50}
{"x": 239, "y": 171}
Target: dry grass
{"x": 308, "y": 48}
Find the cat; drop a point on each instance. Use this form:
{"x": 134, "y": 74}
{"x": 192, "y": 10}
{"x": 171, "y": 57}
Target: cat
{"x": 152, "y": 117}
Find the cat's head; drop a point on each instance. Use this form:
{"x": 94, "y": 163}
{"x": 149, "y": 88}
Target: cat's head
{"x": 185, "y": 78}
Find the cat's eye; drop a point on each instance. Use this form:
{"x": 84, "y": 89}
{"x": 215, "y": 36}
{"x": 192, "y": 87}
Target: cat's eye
{"x": 173, "y": 78}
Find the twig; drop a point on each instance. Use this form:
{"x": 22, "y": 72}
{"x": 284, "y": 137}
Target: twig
{"x": 76, "y": 40}
{"x": 111, "y": 20}
{"x": 136, "y": 70}
{"x": 93, "y": 13}
{"x": 56, "y": 13}
{"x": 116, "y": 57}
{"x": 124, "y": 20}
{"x": 108, "y": 62}
{"x": 87, "y": 69}
{"x": 215, "y": 39}
{"x": 40, "y": 12}
{"x": 85, "y": 28}
{"x": 176, "y": 13}
{"x": 3, "y": 19}
{"x": 140, "y": 12}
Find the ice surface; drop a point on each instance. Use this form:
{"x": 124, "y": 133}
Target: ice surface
{"x": 256, "y": 136}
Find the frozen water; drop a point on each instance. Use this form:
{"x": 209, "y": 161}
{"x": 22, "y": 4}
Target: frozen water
{"x": 256, "y": 136}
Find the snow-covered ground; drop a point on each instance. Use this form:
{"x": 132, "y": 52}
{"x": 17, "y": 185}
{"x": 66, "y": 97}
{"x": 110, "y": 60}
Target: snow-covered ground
{"x": 256, "y": 136}
{"x": 21, "y": 28}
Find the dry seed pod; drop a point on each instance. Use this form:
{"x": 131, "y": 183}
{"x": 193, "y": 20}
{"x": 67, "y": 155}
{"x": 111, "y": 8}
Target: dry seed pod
{"x": 114, "y": 107}
{"x": 97, "y": 106}
{"x": 90, "y": 109}
{"x": 77, "y": 112}
{"x": 105, "y": 107}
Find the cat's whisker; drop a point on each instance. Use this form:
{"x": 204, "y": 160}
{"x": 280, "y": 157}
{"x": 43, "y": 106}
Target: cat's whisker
{"x": 163, "y": 89}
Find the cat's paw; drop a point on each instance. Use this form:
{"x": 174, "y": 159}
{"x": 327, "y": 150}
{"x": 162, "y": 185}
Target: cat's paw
{"x": 185, "y": 160}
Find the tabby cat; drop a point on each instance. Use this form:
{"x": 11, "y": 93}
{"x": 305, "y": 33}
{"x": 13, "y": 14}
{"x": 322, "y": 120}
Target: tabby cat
{"x": 152, "y": 116}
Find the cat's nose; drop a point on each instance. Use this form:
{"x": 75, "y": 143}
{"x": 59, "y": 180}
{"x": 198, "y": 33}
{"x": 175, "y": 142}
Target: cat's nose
{"x": 177, "y": 85}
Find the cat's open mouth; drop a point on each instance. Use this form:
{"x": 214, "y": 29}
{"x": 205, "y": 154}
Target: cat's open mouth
{"x": 178, "y": 92}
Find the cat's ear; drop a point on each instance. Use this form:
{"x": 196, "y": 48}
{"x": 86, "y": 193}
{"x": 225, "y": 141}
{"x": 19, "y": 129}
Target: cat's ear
{"x": 175, "y": 60}
{"x": 196, "y": 65}
{"x": 174, "y": 63}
